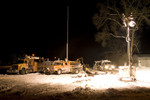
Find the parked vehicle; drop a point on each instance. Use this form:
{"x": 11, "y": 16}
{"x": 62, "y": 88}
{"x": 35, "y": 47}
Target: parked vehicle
{"x": 61, "y": 66}
{"x": 75, "y": 66}
{"x": 26, "y": 65}
{"x": 104, "y": 65}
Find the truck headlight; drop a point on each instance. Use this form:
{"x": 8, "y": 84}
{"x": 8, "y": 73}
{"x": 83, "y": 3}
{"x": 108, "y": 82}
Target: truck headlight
{"x": 106, "y": 67}
{"x": 112, "y": 67}
{"x": 47, "y": 68}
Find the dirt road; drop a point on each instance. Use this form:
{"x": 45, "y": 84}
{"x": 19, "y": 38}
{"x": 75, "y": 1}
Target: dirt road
{"x": 73, "y": 86}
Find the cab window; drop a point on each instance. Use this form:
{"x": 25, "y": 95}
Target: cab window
{"x": 66, "y": 64}
{"x": 58, "y": 63}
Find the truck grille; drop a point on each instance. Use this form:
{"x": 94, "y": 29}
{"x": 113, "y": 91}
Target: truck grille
{"x": 14, "y": 67}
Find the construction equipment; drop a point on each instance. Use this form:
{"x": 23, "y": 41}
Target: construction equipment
{"x": 25, "y": 65}
{"x": 86, "y": 67}
{"x": 43, "y": 63}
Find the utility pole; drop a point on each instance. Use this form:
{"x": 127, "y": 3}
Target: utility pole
{"x": 128, "y": 22}
{"x": 129, "y": 48}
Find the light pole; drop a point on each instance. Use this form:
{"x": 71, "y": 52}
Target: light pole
{"x": 128, "y": 22}
{"x": 67, "y": 33}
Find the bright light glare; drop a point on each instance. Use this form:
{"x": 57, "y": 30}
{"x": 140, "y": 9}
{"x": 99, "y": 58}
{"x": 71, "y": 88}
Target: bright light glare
{"x": 98, "y": 82}
{"x": 113, "y": 67}
{"x": 111, "y": 81}
{"x": 132, "y": 23}
{"x": 106, "y": 67}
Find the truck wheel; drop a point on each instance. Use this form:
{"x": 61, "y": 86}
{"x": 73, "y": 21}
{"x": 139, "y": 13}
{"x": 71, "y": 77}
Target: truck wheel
{"x": 32, "y": 71}
{"x": 44, "y": 71}
{"x": 26, "y": 71}
{"x": 47, "y": 73}
{"x": 133, "y": 79}
{"x": 76, "y": 71}
{"x": 59, "y": 72}
{"x": 18, "y": 73}
{"x": 23, "y": 71}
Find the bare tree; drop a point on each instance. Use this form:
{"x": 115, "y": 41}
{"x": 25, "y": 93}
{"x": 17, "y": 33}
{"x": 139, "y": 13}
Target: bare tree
{"x": 109, "y": 22}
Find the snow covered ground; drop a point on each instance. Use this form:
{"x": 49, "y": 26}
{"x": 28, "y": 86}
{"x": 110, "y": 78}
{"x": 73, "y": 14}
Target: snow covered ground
{"x": 77, "y": 86}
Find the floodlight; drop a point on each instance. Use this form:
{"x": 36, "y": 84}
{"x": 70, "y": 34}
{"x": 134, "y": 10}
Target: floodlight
{"x": 132, "y": 23}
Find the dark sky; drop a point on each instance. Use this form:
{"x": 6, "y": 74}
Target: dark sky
{"x": 41, "y": 28}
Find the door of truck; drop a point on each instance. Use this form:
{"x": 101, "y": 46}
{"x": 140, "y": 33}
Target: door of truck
{"x": 66, "y": 67}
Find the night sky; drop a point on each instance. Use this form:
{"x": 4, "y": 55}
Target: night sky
{"x": 41, "y": 28}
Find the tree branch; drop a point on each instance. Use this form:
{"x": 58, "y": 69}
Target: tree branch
{"x": 136, "y": 46}
{"x": 117, "y": 36}
{"x": 111, "y": 20}
{"x": 115, "y": 11}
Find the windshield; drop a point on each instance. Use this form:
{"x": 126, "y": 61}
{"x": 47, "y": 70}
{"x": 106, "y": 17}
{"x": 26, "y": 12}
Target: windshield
{"x": 107, "y": 62}
{"x": 97, "y": 63}
{"x": 57, "y": 63}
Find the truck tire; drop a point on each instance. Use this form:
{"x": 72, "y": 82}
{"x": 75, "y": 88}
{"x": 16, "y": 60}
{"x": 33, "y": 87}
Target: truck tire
{"x": 76, "y": 71}
{"x": 23, "y": 71}
{"x": 133, "y": 79}
{"x": 44, "y": 71}
{"x": 26, "y": 71}
{"x": 47, "y": 72}
{"x": 18, "y": 73}
{"x": 59, "y": 72}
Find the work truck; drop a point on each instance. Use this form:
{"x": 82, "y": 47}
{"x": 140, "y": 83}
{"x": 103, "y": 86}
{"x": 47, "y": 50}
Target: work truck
{"x": 61, "y": 66}
{"x": 24, "y": 65}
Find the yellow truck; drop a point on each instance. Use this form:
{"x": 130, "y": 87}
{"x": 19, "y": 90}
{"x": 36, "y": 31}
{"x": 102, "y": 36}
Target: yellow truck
{"x": 25, "y": 65}
{"x": 61, "y": 66}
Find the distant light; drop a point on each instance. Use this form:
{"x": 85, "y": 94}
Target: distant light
{"x": 132, "y": 23}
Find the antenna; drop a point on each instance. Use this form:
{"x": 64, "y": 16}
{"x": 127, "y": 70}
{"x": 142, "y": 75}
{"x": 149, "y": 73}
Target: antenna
{"x": 67, "y": 32}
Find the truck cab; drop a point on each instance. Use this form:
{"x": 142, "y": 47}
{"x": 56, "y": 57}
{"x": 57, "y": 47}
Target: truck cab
{"x": 20, "y": 67}
{"x": 24, "y": 65}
